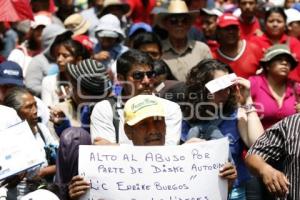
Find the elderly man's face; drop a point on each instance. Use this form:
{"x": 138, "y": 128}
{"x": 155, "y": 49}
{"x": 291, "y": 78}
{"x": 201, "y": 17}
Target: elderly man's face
{"x": 148, "y": 132}
{"x": 178, "y": 26}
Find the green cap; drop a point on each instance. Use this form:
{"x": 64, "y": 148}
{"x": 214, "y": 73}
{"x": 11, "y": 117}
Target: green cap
{"x": 276, "y": 50}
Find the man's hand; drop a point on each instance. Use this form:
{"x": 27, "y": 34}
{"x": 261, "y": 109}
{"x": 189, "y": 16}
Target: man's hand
{"x": 102, "y": 141}
{"x": 78, "y": 187}
{"x": 275, "y": 181}
{"x": 57, "y": 116}
{"x": 102, "y": 55}
{"x": 228, "y": 171}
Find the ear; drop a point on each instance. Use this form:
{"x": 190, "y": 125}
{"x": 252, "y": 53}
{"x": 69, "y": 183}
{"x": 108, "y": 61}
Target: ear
{"x": 128, "y": 131}
{"x": 79, "y": 58}
{"x": 120, "y": 77}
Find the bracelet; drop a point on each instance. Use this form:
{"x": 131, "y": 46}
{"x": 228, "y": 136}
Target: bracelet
{"x": 249, "y": 108}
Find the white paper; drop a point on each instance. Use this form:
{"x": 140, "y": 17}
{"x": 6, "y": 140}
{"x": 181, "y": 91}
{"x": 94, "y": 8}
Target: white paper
{"x": 18, "y": 150}
{"x": 221, "y": 83}
{"x": 155, "y": 173}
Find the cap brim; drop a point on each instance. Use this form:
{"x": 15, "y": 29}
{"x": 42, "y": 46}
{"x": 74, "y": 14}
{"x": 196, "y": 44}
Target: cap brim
{"x": 10, "y": 81}
{"x": 144, "y": 116}
{"x": 294, "y": 63}
{"x": 83, "y": 29}
{"x": 162, "y": 16}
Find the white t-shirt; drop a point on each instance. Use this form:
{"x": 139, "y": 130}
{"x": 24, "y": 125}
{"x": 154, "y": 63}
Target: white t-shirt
{"x": 102, "y": 122}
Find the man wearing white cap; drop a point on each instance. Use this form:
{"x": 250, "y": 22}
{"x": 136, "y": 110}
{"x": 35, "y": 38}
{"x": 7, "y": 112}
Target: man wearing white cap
{"x": 293, "y": 22}
{"x": 33, "y": 45}
{"x": 209, "y": 26}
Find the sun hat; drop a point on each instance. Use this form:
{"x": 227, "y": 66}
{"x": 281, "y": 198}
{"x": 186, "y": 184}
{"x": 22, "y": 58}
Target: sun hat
{"x": 213, "y": 11}
{"x": 276, "y": 50}
{"x": 111, "y": 23}
{"x": 139, "y": 26}
{"x": 141, "y": 107}
{"x": 77, "y": 24}
{"x": 176, "y": 7}
{"x": 293, "y": 15}
{"x": 227, "y": 19}
{"x": 49, "y": 34}
{"x": 91, "y": 75}
{"x": 11, "y": 73}
{"x": 115, "y": 3}
{"x": 40, "y": 20}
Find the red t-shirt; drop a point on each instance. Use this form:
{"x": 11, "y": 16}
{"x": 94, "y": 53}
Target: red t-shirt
{"x": 139, "y": 13}
{"x": 246, "y": 63}
{"x": 249, "y": 30}
{"x": 264, "y": 43}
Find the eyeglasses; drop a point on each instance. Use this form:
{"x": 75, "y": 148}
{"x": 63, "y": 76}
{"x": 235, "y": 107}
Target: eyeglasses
{"x": 138, "y": 75}
{"x": 175, "y": 20}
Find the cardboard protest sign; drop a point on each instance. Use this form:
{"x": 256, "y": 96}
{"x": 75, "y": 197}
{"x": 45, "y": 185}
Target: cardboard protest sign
{"x": 18, "y": 150}
{"x": 155, "y": 173}
{"x": 221, "y": 83}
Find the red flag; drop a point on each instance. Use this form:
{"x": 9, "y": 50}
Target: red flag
{"x": 15, "y": 10}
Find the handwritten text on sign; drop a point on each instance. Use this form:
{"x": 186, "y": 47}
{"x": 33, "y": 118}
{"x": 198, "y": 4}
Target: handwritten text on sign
{"x": 189, "y": 172}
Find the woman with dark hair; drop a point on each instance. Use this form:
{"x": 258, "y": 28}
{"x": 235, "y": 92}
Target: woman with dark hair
{"x": 67, "y": 161}
{"x": 64, "y": 50}
{"x": 272, "y": 91}
{"x": 220, "y": 114}
{"x": 275, "y": 27}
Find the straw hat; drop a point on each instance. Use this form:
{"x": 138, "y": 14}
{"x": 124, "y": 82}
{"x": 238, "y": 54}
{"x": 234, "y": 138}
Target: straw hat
{"x": 118, "y": 3}
{"x": 77, "y": 24}
{"x": 176, "y": 7}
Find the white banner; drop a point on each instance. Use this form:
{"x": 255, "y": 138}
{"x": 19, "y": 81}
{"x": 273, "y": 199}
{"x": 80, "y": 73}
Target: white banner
{"x": 19, "y": 150}
{"x": 186, "y": 172}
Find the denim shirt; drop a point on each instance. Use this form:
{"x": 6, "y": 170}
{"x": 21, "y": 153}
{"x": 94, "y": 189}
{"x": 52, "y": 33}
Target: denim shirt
{"x": 114, "y": 53}
{"x": 215, "y": 129}
{"x": 229, "y": 128}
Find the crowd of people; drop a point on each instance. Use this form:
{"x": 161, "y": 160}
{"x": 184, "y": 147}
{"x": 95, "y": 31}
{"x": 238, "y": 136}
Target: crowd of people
{"x": 77, "y": 71}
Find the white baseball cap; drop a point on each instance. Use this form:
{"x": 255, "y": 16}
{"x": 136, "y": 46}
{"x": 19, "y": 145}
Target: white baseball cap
{"x": 212, "y": 11}
{"x": 40, "y": 20}
{"x": 293, "y": 15}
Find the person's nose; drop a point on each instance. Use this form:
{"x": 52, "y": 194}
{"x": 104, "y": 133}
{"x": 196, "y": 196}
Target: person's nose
{"x": 146, "y": 80}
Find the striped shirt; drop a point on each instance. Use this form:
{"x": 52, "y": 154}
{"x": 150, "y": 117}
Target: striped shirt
{"x": 281, "y": 142}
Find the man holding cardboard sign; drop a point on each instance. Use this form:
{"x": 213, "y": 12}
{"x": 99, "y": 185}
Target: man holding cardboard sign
{"x": 145, "y": 126}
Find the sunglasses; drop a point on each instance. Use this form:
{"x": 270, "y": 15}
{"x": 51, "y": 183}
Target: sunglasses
{"x": 175, "y": 20}
{"x": 138, "y": 75}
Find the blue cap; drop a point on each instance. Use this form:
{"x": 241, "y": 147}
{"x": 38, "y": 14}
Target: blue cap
{"x": 11, "y": 73}
{"x": 138, "y": 26}
{"x": 296, "y": 6}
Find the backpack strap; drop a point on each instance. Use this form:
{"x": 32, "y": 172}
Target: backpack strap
{"x": 41, "y": 134}
{"x": 116, "y": 118}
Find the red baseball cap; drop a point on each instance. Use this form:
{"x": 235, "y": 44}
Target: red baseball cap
{"x": 227, "y": 20}
{"x": 85, "y": 41}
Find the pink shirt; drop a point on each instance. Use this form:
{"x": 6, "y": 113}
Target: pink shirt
{"x": 265, "y": 103}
